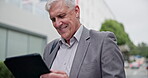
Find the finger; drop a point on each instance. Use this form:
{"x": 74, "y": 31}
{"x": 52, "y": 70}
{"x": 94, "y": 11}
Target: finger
{"x": 58, "y": 72}
{"x": 54, "y": 75}
{"x": 44, "y": 76}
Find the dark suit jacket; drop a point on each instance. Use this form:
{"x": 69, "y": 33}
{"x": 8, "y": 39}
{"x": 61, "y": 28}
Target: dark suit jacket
{"x": 97, "y": 56}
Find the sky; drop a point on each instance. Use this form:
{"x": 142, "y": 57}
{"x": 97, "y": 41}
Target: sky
{"x": 133, "y": 14}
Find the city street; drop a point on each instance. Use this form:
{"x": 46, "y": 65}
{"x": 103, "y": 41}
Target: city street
{"x": 137, "y": 73}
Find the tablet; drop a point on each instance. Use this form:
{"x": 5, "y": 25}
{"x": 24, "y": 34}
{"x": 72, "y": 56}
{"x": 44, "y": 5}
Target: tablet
{"x": 27, "y": 66}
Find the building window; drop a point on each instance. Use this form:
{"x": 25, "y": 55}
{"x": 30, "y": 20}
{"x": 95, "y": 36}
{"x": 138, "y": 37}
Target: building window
{"x": 15, "y": 41}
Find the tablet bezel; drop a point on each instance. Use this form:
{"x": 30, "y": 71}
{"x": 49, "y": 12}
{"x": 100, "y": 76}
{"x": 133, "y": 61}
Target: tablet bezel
{"x": 27, "y": 66}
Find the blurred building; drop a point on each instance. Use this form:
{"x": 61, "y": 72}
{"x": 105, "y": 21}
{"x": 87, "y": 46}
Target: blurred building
{"x": 25, "y": 26}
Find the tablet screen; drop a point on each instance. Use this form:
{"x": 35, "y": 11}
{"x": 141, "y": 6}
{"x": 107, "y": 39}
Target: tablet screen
{"x": 27, "y": 66}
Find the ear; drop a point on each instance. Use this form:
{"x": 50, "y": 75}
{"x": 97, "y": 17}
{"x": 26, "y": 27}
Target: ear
{"x": 77, "y": 10}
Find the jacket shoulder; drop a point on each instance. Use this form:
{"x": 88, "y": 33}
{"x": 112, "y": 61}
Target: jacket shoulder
{"x": 101, "y": 34}
{"x": 49, "y": 47}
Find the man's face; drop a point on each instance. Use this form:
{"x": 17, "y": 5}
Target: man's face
{"x": 64, "y": 19}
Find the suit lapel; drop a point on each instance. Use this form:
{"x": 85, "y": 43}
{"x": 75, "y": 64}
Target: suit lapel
{"x": 80, "y": 53}
{"x": 52, "y": 56}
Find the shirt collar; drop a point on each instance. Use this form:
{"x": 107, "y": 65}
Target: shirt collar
{"x": 77, "y": 35}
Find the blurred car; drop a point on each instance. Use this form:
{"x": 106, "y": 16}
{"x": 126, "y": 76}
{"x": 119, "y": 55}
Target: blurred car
{"x": 147, "y": 67}
{"x": 134, "y": 65}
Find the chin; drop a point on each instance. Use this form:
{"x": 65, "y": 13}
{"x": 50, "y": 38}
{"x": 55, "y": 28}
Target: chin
{"x": 63, "y": 36}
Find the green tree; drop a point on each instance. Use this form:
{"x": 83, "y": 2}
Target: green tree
{"x": 4, "y": 72}
{"x": 118, "y": 29}
{"x": 143, "y": 49}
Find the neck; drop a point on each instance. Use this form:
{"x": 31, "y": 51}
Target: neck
{"x": 67, "y": 41}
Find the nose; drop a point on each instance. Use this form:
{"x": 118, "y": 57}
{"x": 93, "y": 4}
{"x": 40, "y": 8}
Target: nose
{"x": 57, "y": 23}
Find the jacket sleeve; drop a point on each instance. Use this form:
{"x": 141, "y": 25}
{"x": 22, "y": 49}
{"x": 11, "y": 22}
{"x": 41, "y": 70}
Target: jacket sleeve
{"x": 112, "y": 62}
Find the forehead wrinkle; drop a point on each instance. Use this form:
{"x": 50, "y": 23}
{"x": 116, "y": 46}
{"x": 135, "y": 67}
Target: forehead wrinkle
{"x": 57, "y": 12}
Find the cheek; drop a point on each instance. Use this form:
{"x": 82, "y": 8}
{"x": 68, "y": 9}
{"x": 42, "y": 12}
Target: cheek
{"x": 73, "y": 24}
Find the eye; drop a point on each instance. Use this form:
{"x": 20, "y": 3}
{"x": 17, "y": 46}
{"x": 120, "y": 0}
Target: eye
{"x": 61, "y": 15}
{"x": 53, "y": 19}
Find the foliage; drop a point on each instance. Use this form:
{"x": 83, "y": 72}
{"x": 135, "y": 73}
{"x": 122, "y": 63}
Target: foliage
{"x": 4, "y": 72}
{"x": 143, "y": 49}
{"x": 122, "y": 37}
{"x": 118, "y": 29}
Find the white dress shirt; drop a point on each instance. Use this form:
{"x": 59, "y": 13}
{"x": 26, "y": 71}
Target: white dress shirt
{"x": 66, "y": 53}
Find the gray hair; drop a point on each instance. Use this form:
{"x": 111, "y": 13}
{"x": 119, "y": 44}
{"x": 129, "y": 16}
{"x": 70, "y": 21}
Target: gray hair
{"x": 69, "y": 3}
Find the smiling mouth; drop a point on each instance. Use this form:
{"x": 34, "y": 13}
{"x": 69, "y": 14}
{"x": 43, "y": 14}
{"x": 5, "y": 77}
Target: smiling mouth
{"x": 62, "y": 27}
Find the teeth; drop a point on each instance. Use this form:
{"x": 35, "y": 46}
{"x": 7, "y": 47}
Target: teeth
{"x": 63, "y": 27}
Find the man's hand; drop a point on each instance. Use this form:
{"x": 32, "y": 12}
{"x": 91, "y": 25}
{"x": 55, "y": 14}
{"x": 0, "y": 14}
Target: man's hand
{"x": 55, "y": 74}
